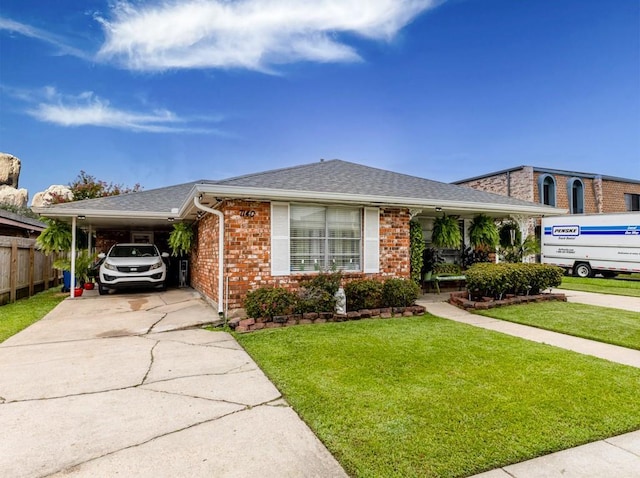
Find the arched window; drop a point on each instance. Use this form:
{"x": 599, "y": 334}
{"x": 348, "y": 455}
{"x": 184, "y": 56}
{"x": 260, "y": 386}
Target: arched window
{"x": 547, "y": 189}
{"x": 575, "y": 192}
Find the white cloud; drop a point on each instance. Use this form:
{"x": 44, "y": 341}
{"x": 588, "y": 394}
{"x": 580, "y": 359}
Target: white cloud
{"x": 38, "y": 34}
{"x": 88, "y": 109}
{"x": 252, "y": 34}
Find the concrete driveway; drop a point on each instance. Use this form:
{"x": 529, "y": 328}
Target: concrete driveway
{"x": 120, "y": 385}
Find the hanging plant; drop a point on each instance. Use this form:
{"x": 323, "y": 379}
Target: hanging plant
{"x": 417, "y": 250}
{"x": 55, "y": 238}
{"x": 446, "y": 232}
{"x": 506, "y": 234}
{"x": 181, "y": 238}
{"x": 483, "y": 232}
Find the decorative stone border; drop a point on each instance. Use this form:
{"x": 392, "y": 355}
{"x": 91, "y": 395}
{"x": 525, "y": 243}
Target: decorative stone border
{"x": 250, "y": 325}
{"x": 461, "y": 299}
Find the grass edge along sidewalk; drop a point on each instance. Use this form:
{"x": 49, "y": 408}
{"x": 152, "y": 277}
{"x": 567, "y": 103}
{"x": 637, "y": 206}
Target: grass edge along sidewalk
{"x": 603, "y": 324}
{"x": 602, "y": 286}
{"x": 426, "y": 396}
{"x": 21, "y": 314}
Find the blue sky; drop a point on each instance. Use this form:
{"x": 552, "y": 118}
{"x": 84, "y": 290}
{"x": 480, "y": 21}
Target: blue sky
{"x": 165, "y": 92}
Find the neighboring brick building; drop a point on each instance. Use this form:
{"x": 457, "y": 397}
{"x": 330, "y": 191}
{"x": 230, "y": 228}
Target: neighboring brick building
{"x": 282, "y": 226}
{"x": 577, "y": 192}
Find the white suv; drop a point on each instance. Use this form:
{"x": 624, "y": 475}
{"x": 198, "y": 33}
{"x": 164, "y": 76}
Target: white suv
{"x": 132, "y": 265}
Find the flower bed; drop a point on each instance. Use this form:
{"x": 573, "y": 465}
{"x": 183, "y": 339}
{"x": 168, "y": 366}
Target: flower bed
{"x": 461, "y": 299}
{"x": 251, "y": 324}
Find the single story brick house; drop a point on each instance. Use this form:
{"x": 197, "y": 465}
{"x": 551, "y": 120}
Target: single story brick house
{"x": 276, "y": 227}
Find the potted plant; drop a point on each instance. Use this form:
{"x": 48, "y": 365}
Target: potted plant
{"x": 483, "y": 233}
{"x": 84, "y": 266}
{"x": 446, "y": 232}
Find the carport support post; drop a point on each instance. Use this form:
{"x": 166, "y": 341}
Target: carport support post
{"x": 72, "y": 285}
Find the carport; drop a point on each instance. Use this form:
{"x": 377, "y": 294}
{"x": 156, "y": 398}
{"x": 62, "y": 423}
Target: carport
{"x": 141, "y": 217}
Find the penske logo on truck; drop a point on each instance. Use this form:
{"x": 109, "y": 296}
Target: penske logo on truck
{"x": 565, "y": 231}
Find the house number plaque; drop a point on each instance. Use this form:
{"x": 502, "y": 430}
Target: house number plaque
{"x": 247, "y": 213}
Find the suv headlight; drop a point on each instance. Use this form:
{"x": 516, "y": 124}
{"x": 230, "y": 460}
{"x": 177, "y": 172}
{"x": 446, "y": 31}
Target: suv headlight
{"x": 157, "y": 265}
{"x": 111, "y": 267}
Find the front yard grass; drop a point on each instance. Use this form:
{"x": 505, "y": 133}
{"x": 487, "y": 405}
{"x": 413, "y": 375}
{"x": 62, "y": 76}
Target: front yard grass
{"x": 602, "y": 286}
{"x": 613, "y": 326}
{"x": 429, "y": 397}
{"x": 22, "y": 313}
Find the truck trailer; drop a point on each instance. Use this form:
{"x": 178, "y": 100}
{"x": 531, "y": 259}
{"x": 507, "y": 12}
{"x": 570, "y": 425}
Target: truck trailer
{"x": 589, "y": 244}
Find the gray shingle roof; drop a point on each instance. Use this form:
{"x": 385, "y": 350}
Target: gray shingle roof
{"x": 336, "y": 176}
{"x": 332, "y": 176}
{"x": 154, "y": 200}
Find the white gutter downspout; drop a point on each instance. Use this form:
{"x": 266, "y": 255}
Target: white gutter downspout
{"x": 72, "y": 283}
{"x": 196, "y": 201}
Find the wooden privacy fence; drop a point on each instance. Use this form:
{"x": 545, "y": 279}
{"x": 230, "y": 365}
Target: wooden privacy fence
{"x": 24, "y": 270}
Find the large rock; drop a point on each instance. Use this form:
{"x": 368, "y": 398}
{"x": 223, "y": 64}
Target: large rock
{"x": 9, "y": 170}
{"x": 13, "y": 197}
{"x": 53, "y": 193}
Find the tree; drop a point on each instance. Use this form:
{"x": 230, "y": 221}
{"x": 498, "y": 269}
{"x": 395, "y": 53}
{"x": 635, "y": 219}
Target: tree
{"x": 86, "y": 186}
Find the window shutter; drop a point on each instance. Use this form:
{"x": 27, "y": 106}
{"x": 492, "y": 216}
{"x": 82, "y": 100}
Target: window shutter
{"x": 280, "y": 255}
{"x": 371, "y": 253}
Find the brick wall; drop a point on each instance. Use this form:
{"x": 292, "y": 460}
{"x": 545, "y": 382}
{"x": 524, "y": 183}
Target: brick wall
{"x": 248, "y": 251}
{"x": 613, "y": 194}
{"x": 600, "y": 195}
{"x": 517, "y": 184}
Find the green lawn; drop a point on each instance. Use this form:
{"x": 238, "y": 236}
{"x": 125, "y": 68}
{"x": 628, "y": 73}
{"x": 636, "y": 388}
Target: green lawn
{"x": 603, "y": 286}
{"x": 429, "y": 397}
{"x": 21, "y": 314}
{"x": 613, "y": 326}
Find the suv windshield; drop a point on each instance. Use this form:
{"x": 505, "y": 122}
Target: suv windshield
{"x": 133, "y": 251}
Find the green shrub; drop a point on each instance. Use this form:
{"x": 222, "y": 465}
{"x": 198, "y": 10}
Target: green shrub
{"x": 399, "y": 293}
{"x": 363, "y": 294}
{"x": 269, "y": 302}
{"x": 314, "y": 300}
{"x": 495, "y": 280}
{"x": 327, "y": 281}
{"x": 317, "y": 294}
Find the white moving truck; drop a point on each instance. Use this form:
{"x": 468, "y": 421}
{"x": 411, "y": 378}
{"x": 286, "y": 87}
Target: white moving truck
{"x": 587, "y": 244}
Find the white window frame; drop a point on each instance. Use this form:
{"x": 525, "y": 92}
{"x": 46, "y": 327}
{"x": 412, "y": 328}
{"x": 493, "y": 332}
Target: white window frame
{"x": 281, "y": 240}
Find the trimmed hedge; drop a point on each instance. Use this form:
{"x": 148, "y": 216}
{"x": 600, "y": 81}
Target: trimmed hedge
{"x": 399, "y": 293}
{"x": 316, "y": 296}
{"x": 496, "y": 280}
{"x": 363, "y": 294}
{"x": 269, "y": 302}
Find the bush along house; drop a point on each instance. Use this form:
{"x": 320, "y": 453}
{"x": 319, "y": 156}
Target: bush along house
{"x": 278, "y": 227}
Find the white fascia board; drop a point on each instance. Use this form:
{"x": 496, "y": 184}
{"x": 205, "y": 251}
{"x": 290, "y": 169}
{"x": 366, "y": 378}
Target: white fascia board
{"x": 235, "y": 192}
{"x": 68, "y": 213}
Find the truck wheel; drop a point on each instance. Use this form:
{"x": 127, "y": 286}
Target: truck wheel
{"x": 583, "y": 270}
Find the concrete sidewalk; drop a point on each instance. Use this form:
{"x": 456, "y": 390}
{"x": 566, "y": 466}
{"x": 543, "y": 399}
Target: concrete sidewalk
{"x": 119, "y": 386}
{"x": 601, "y": 300}
{"x": 614, "y": 457}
